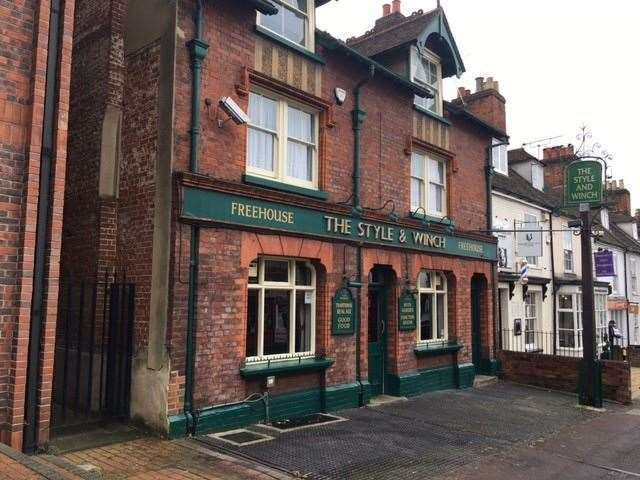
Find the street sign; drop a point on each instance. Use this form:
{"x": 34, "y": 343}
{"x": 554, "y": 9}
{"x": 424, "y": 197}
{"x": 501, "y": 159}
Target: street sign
{"x": 583, "y": 183}
{"x": 605, "y": 266}
{"x": 344, "y": 313}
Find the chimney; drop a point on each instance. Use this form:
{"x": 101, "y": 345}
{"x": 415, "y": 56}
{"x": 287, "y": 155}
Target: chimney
{"x": 619, "y": 196}
{"x": 485, "y": 103}
{"x": 391, "y": 15}
{"x": 395, "y": 8}
{"x": 386, "y": 9}
{"x": 559, "y": 151}
{"x": 554, "y": 171}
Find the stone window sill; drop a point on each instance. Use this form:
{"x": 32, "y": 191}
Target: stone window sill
{"x": 430, "y": 350}
{"x": 285, "y": 367}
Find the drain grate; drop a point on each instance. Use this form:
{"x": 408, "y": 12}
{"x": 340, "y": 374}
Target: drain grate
{"x": 298, "y": 423}
{"x": 241, "y": 438}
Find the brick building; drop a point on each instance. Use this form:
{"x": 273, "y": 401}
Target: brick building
{"x": 35, "y": 53}
{"x": 285, "y": 206}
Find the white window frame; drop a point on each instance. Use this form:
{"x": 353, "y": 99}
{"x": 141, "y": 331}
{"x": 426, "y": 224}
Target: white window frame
{"x": 569, "y": 264}
{"x": 417, "y": 55}
{"x": 499, "y": 156}
{"x": 604, "y": 218}
{"x": 531, "y": 321}
{"x": 309, "y": 27}
{"x": 426, "y": 182}
{"x": 434, "y": 292}
{"x": 633, "y": 269}
{"x": 576, "y": 312}
{"x": 537, "y": 181}
{"x": 290, "y": 286}
{"x": 615, "y": 280}
{"x": 601, "y": 320}
{"x": 281, "y": 140}
{"x": 532, "y": 219}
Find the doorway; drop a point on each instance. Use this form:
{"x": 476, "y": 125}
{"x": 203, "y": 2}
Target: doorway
{"x": 377, "y": 329}
{"x": 477, "y": 290}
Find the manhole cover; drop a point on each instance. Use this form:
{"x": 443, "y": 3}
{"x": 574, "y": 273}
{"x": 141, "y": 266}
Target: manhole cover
{"x": 241, "y": 437}
{"x": 307, "y": 421}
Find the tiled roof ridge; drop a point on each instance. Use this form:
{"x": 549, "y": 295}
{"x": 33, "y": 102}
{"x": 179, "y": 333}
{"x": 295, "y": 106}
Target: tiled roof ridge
{"x": 373, "y": 32}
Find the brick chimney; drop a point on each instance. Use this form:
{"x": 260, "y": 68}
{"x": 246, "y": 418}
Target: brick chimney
{"x": 386, "y": 9}
{"x": 486, "y": 102}
{"x": 391, "y": 13}
{"x": 555, "y": 159}
{"x": 619, "y": 197}
{"x": 396, "y": 6}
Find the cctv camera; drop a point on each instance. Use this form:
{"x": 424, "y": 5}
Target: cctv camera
{"x": 234, "y": 111}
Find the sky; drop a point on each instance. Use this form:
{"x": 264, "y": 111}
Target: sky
{"x": 561, "y": 64}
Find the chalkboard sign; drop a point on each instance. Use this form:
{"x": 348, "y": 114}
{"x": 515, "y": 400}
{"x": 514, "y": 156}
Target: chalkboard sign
{"x": 344, "y": 313}
{"x": 407, "y": 312}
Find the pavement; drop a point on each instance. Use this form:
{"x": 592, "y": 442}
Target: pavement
{"x": 502, "y": 431}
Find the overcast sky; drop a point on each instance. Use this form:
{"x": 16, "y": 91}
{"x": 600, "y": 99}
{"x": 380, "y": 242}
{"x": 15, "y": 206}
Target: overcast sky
{"x": 560, "y": 64}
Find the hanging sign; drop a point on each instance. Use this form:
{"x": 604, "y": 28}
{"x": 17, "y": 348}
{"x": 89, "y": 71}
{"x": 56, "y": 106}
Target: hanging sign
{"x": 605, "y": 266}
{"x": 529, "y": 240}
{"x": 343, "y": 321}
{"x": 583, "y": 183}
{"x": 407, "y": 312}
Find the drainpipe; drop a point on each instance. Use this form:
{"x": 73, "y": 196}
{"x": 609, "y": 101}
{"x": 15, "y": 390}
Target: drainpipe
{"x": 42, "y": 229}
{"x": 198, "y": 50}
{"x": 358, "y": 116}
{"x": 553, "y": 285}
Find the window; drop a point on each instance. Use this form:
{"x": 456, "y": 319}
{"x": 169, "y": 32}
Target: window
{"x": 428, "y": 184}
{"x": 537, "y": 176}
{"x": 568, "y": 251}
{"x": 499, "y": 156}
{"x": 615, "y": 284}
{"x": 282, "y": 141}
{"x": 280, "y": 309}
{"x": 432, "y": 307}
{"x": 633, "y": 267}
{"x": 531, "y": 223}
{"x": 426, "y": 72}
{"x": 604, "y": 217}
{"x": 530, "y": 319}
{"x": 570, "y": 321}
{"x": 294, "y": 21}
{"x": 601, "y": 317}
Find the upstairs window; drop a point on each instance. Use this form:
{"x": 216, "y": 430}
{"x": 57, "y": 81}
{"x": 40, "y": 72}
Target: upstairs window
{"x": 531, "y": 223}
{"x": 499, "y": 157}
{"x": 427, "y": 72}
{"x": 568, "y": 251}
{"x": 604, "y": 217}
{"x": 537, "y": 176}
{"x": 428, "y": 184}
{"x": 293, "y": 22}
{"x": 633, "y": 268}
{"x": 282, "y": 143}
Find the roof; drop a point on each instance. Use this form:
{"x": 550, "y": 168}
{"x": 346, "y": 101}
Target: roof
{"x": 333, "y": 43}
{"x": 426, "y": 29}
{"x": 619, "y": 217}
{"x": 516, "y": 186}
{"x": 520, "y": 155}
{"x": 626, "y": 240}
{"x": 462, "y": 111}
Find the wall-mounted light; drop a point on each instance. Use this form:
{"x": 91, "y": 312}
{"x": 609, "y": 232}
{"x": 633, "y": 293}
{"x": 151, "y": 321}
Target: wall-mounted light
{"x": 232, "y": 109}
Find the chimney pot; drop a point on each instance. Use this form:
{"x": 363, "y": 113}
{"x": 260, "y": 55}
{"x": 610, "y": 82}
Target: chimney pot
{"x": 621, "y": 183}
{"x": 396, "y": 6}
{"x": 386, "y": 9}
{"x": 479, "y": 83}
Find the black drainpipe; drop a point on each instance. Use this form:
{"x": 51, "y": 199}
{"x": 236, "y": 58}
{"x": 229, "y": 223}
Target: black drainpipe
{"x": 358, "y": 120}
{"x": 198, "y": 49}
{"x": 42, "y": 230}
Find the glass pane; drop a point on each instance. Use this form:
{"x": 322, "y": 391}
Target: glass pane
{"x": 417, "y": 192}
{"x": 300, "y": 161}
{"x": 273, "y": 22}
{"x": 253, "y": 272}
{"x": 276, "y": 271}
{"x": 263, "y": 111}
{"x": 566, "y": 301}
{"x": 417, "y": 165}
{"x": 436, "y": 198}
{"x": 252, "y": 323}
{"x": 300, "y": 125}
{"x": 567, "y": 339}
{"x": 440, "y": 307}
{"x": 261, "y": 149}
{"x": 426, "y": 316}
{"x": 299, "y": 4}
{"x": 304, "y": 302}
{"x": 565, "y": 320}
{"x": 276, "y": 321}
{"x": 303, "y": 274}
{"x": 440, "y": 281}
{"x": 436, "y": 171}
{"x": 294, "y": 26}
{"x": 424, "y": 280}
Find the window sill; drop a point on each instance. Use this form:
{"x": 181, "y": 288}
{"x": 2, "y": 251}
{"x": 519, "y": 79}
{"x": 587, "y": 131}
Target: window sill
{"x": 284, "y": 187}
{"x": 430, "y": 350}
{"x": 432, "y": 219}
{"x": 285, "y": 367}
{"x": 289, "y": 44}
{"x": 429, "y": 113}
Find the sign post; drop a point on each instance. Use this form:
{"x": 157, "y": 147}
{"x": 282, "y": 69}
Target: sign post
{"x": 583, "y": 188}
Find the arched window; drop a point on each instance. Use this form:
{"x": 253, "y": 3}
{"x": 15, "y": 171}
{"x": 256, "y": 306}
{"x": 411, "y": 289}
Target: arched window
{"x": 281, "y": 309}
{"x": 432, "y": 307}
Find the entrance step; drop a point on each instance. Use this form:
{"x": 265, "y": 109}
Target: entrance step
{"x": 482, "y": 381}
{"x": 385, "y": 400}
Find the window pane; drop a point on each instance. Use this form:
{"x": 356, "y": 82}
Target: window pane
{"x": 252, "y": 323}
{"x": 436, "y": 198}
{"x": 276, "y": 271}
{"x": 273, "y": 22}
{"x": 440, "y": 315}
{"x": 436, "y": 171}
{"x": 294, "y": 26}
{"x": 426, "y": 316}
{"x": 424, "y": 280}
{"x": 566, "y": 301}
{"x": 263, "y": 111}
{"x": 253, "y": 272}
{"x": 299, "y": 4}
{"x": 566, "y": 339}
{"x": 261, "y": 149}
{"x": 303, "y": 274}
{"x": 300, "y": 125}
{"x": 417, "y": 165}
{"x": 439, "y": 281}
{"x": 276, "y": 321}
{"x": 417, "y": 193}
{"x": 565, "y": 320}
{"x": 304, "y": 302}
{"x": 300, "y": 161}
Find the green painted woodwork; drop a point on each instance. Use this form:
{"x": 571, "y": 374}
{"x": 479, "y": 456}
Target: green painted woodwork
{"x": 407, "y": 312}
{"x": 489, "y": 366}
{"x": 431, "y": 219}
{"x": 284, "y": 187}
{"x": 476, "y": 322}
{"x": 343, "y": 319}
{"x": 285, "y": 367}
{"x": 341, "y": 397}
{"x": 290, "y": 45}
{"x": 378, "y": 332}
{"x": 177, "y": 426}
{"x": 431, "y": 380}
{"x": 583, "y": 183}
{"x": 466, "y": 375}
{"x": 218, "y": 207}
{"x": 431, "y": 350}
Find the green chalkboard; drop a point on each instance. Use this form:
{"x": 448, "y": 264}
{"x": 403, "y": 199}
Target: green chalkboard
{"x": 344, "y": 313}
{"x": 407, "y": 312}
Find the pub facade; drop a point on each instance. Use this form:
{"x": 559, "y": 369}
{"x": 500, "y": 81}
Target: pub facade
{"x": 304, "y": 219}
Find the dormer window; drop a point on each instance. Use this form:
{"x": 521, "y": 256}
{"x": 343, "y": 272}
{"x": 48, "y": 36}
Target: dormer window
{"x": 537, "y": 176}
{"x": 426, "y": 71}
{"x": 294, "y": 21}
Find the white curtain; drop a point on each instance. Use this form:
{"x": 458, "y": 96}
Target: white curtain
{"x": 262, "y": 144}
{"x": 300, "y": 145}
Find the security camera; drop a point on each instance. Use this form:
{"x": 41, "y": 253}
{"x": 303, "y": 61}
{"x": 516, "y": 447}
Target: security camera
{"x": 234, "y": 111}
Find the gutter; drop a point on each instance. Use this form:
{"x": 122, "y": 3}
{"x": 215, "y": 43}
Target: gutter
{"x": 42, "y": 229}
{"x": 198, "y": 50}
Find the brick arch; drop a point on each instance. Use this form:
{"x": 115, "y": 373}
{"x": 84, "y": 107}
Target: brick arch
{"x": 393, "y": 259}
{"x": 256, "y": 244}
